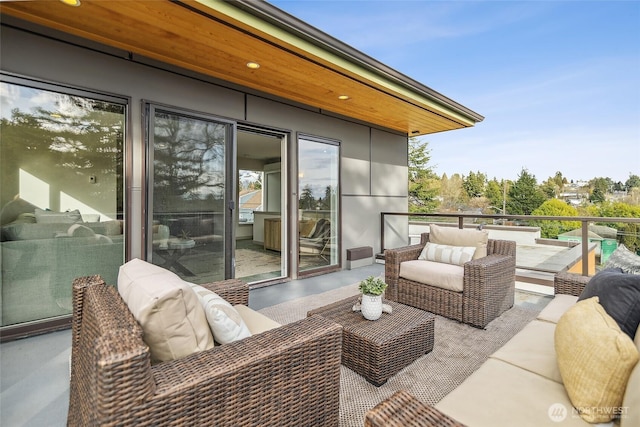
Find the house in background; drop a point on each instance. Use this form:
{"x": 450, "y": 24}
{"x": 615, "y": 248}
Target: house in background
{"x": 604, "y": 237}
{"x": 125, "y": 126}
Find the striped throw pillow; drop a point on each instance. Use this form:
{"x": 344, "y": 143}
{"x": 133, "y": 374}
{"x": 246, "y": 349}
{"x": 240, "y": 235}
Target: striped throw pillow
{"x": 457, "y": 255}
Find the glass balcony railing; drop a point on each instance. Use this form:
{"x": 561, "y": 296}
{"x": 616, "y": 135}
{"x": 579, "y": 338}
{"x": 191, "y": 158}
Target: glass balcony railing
{"x": 545, "y": 244}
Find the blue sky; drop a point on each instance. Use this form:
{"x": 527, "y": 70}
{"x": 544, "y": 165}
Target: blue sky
{"x": 557, "y": 81}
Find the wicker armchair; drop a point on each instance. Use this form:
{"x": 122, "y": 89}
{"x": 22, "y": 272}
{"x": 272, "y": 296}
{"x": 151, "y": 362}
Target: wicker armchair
{"x": 288, "y": 376}
{"x": 489, "y": 284}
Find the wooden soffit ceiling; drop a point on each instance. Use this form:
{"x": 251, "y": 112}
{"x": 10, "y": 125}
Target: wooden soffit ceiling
{"x": 218, "y": 39}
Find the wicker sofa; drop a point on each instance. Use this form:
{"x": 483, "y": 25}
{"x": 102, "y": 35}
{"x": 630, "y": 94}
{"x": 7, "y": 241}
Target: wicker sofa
{"x": 488, "y": 291}
{"x": 287, "y": 376}
{"x": 519, "y": 385}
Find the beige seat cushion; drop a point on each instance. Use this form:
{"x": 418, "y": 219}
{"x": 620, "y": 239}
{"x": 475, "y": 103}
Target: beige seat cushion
{"x": 557, "y": 307}
{"x": 595, "y": 359}
{"x": 256, "y": 322}
{"x": 441, "y": 275}
{"x": 631, "y": 400}
{"x": 532, "y": 349}
{"x": 225, "y": 322}
{"x": 457, "y": 237}
{"x": 500, "y": 394}
{"x": 166, "y": 308}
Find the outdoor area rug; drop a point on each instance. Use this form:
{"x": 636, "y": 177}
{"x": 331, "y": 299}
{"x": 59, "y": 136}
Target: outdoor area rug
{"x": 458, "y": 351}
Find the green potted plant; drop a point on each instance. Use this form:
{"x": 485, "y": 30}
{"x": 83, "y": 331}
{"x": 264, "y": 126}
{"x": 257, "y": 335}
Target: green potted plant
{"x": 372, "y": 289}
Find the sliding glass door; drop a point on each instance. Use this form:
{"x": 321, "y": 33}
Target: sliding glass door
{"x": 318, "y": 203}
{"x": 188, "y": 201}
{"x": 61, "y": 175}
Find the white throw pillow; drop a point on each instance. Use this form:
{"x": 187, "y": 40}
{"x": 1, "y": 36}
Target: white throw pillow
{"x": 224, "y": 320}
{"x": 166, "y": 308}
{"x": 49, "y": 217}
{"x": 456, "y": 255}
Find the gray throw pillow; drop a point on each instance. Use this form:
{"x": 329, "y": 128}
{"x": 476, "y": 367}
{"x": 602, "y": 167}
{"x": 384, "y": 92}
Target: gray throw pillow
{"x": 619, "y": 295}
{"x": 625, "y": 259}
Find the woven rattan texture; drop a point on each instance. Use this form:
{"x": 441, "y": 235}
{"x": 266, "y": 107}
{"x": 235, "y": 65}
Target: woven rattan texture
{"x": 401, "y": 409}
{"x": 289, "y": 376}
{"x": 569, "y": 283}
{"x": 379, "y": 349}
{"x": 489, "y": 284}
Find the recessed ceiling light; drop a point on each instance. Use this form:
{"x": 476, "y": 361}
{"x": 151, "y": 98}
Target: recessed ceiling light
{"x": 343, "y": 97}
{"x": 71, "y": 2}
{"x": 253, "y": 65}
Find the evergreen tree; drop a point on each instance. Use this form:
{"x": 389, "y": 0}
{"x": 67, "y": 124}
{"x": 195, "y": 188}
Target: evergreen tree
{"x": 632, "y": 182}
{"x": 423, "y": 182}
{"x": 474, "y": 184}
{"x": 329, "y": 198}
{"x": 189, "y": 166}
{"x": 524, "y": 195}
{"x": 307, "y": 201}
{"x": 495, "y": 194}
{"x": 598, "y": 187}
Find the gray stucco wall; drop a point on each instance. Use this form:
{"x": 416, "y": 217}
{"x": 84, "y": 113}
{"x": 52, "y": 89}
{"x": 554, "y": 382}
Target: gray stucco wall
{"x": 373, "y": 161}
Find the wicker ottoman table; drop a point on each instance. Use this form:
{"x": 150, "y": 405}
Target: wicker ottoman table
{"x": 379, "y": 349}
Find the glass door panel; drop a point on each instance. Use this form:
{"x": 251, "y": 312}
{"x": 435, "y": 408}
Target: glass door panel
{"x": 261, "y": 240}
{"x": 187, "y": 193}
{"x": 62, "y": 198}
{"x": 318, "y": 204}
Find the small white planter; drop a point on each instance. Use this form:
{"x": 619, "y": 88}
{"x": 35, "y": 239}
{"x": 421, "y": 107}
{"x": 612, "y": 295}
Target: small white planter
{"x": 371, "y": 306}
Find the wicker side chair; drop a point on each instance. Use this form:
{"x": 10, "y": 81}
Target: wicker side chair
{"x": 489, "y": 284}
{"x": 288, "y": 376}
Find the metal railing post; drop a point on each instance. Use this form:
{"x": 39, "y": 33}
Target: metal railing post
{"x": 585, "y": 248}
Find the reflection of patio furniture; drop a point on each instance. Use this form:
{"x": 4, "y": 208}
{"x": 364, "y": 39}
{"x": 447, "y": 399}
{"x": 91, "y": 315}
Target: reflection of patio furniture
{"x": 318, "y": 242}
{"x": 203, "y": 228}
{"x": 40, "y": 259}
{"x": 487, "y": 287}
{"x": 287, "y": 376}
{"x": 175, "y": 249}
{"x": 378, "y": 350}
